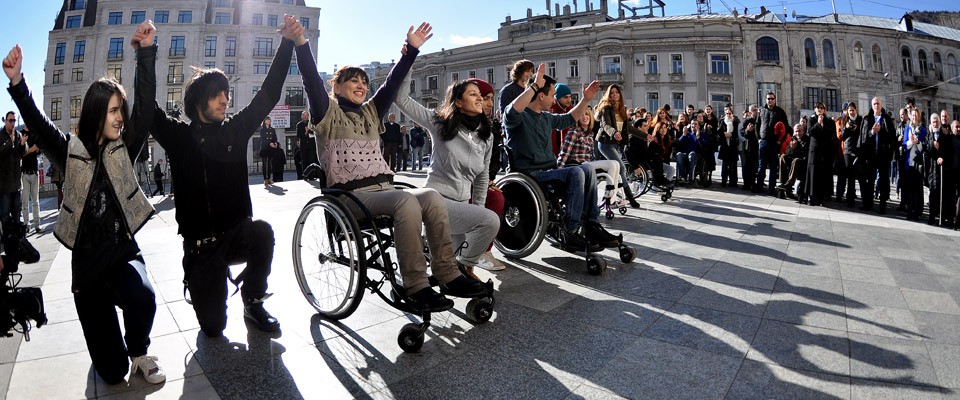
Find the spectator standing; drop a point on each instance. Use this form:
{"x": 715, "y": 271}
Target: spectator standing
{"x": 876, "y": 146}
{"x": 158, "y": 178}
{"x": 749, "y": 151}
{"x": 935, "y": 131}
{"x": 417, "y": 141}
{"x": 822, "y": 131}
{"x": 308, "y": 144}
{"x": 12, "y": 147}
{"x": 563, "y": 105}
{"x": 268, "y": 142}
{"x": 520, "y": 73}
{"x": 30, "y": 181}
{"x": 403, "y": 149}
{"x": 391, "y": 139}
{"x": 729, "y": 148}
{"x": 850, "y": 126}
{"x": 769, "y": 150}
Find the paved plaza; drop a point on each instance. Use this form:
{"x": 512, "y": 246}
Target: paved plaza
{"x": 733, "y": 295}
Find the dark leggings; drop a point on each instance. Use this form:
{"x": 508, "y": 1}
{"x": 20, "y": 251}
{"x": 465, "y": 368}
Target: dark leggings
{"x": 126, "y": 286}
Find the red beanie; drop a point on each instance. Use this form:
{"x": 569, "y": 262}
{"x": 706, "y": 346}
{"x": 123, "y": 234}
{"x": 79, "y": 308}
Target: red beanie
{"x": 482, "y": 85}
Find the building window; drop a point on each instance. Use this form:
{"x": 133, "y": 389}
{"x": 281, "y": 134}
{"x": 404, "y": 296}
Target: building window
{"x": 720, "y": 64}
{"x": 137, "y": 17}
{"x": 210, "y": 46}
{"x": 221, "y": 3}
{"x": 222, "y": 18}
{"x": 289, "y": 2}
{"x": 55, "y": 109}
{"x": 552, "y": 69}
{"x": 413, "y": 86}
{"x": 305, "y": 22}
{"x": 258, "y": 19}
{"x": 455, "y": 76}
{"x": 174, "y": 97}
{"x": 73, "y": 22}
{"x": 230, "y": 97}
{"x": 115, "y": 18}
{"x": 161, "y": 17}
{"x": 78, "y": 5}
{"x": 831, "y": 98}
{"x": 74, "y": 106}
{"x": 175, "y": 72}
{"x": 57, "y": 76}
{"x": 272, "y": 20}
{"x": 574, "y": 68}
{"x": 922, "y": 62}
{"x": 653, "y": 100}
{"x": 766, "y": 87}
{"x": 768, "y": 49}
{"x": 185, "y": 17}
{"x": 653, "y": 67}
{"x": 60, "y": 53}
{"x": 295, "y": 97}
{"x": 263, "y": 47}
{"x": 858, "y": 59}
{"x": 294, "y": 68}
{"x": 116, "y": 49}
{"x": 877, "y": 58}
{"x": 677, "y": 101}
{"x": 810, "y": 53}
{"x": 937, "y": 66}
{"x": 114, "y": 71}
{"x": 177, "y": 46}
{"x": 76, "y": 75}
{"x": 432, "y": 82}
{"x": 720, "y": 100}
{"x": 953, "y": 69}
{"x": 230, "y": 67}
{"x": 811, "y": 96}
{"x": 676, "y": 64}
{"x": 611, "y": 64}
{"x": 209, "y": 64}
{"x": 79, "y": 49}
{"x": 231, "y": 49}
{"x": 472, "y": 74}
{"x": 906, "y": 61}
{"x": 490, "y": 75}
{"x": 828, "y": 59}
{"x": 260, "y": 67}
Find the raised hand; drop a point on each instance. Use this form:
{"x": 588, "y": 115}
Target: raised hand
{"x": 539, "y": 80}
{"x": 12, "y": 65}
{"x": 418, "y": 37}
{"x": 293, "y": 30}
{"x": 590, "y": 91}
{"x": 143, "y": 37}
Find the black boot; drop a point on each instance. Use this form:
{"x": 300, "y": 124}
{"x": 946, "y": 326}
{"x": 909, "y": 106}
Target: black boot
{"x": 883, "y": 207}
{"x": 254, "y": 312}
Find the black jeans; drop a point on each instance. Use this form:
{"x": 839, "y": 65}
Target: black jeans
{"x": 159, "y": 188}
{"x": 126, "y": 286}
{"x": 206, "y": 270}
{"x": 266, "y": 164}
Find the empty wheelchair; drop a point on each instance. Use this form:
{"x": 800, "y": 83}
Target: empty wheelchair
{"x": 531, "y": 214}
{"x": 337, "y": 257}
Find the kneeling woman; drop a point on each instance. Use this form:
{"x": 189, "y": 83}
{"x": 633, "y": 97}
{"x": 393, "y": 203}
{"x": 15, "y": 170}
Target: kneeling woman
{"x": 103, "y": 207}
{"x": 459, "y": 164}
{"x": 348, "y": 145}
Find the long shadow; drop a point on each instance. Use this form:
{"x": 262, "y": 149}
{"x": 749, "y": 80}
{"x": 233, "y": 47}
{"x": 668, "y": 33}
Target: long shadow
{"x": 243, "y": 371}
{"x": 760, "y": 228}
{"x": 730, "y": 206}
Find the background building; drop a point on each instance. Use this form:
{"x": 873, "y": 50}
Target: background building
{"x": 717, "y": 59}
{"x": 90, "y": 40}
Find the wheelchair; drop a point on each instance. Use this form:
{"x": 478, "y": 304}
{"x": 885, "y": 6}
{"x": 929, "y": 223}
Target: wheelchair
{"x": 703, "y": 172}
{"x": 336, "y": 258}
{"x": 644, "y": 182}
{"x": 606, "y": 205}
{"x": 531, "y": 214}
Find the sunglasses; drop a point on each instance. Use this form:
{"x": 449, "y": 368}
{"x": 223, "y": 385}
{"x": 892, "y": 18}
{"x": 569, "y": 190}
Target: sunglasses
{"x": 11, "y": 120}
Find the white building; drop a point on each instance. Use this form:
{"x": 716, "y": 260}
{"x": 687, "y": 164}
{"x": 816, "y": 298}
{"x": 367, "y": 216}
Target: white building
{"x": 90, "y": 40}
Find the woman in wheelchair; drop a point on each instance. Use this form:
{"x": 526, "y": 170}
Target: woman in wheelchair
{"x": 653, "y": 156}
{"x": 348, "y": 145}
{"x": 462, "y": 143}
{"x": 577, "y": 149}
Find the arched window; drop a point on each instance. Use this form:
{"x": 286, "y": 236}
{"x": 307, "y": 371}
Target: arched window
{"x": 768, "y": 49}
{"x": 938, "y": 65}
{"x": 810, "y": 53}
{"x": 858, "y": 60}
{"x": 828, "y": 61}
{"x": 906, "y": 61}
{"x": 877, "y": 58}
{"x": 922, "y": 62}
{"x": 952, "y": 67}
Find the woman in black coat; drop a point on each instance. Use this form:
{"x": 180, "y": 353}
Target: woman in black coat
{"x": 729, "y": 149}
{"x": 822, "y": 131}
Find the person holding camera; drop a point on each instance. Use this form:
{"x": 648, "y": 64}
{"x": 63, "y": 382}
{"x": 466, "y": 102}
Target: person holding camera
{"x": 103, "y": 207}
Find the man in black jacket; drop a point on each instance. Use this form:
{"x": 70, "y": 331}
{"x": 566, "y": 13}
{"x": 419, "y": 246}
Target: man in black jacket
{"x": 749, "y": 151}
{"x": 308, "y": 145}
{"x": 876, "y": 145}
{"x": 770, "y": 115}
{"x": 214, "y": 209}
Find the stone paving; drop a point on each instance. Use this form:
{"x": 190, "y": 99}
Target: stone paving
{"x": 733, "y": 296}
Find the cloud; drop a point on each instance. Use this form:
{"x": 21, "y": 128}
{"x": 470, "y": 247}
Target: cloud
{"x": 468, "y": 40}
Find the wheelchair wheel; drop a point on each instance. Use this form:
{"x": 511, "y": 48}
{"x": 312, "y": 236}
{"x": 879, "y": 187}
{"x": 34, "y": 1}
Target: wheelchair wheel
{"x": 623, "y": 210}
{"x": 524, "y": 221}
{"x": 700, "y": 175}
{"x": 327, "y": 261}
{"x": 410, "y": 338}
{"x": 596, "y": 264}
{"x": 480, "y": 310}
{"x": 609, "y": 214}
{"x": 639, "y": 183}
{"x": 627, "y": 254}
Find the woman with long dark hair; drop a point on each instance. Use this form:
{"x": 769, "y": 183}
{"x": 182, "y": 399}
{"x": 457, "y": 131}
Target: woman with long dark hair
{"x": 614, "y": 128}
{"x": 103, "y": 207}
{"x": 462, "y": 143}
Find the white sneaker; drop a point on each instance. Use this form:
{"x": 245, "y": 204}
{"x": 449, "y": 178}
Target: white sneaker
{"x": 147, "y": 365}
{"x": 621, "y": 203}
{"x": 489, "y": 263}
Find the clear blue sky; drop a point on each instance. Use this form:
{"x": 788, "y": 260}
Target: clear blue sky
{"x": 357, "y": 33}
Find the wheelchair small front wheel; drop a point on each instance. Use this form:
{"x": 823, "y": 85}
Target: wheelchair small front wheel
{"x": 623, "y": 211}
{"x": 627, "y": 254}
{"x": 480, "y": 310}
{"x": 410, "y": 338}
{"x": 596, "y": 264}
{"x": 664, "y": 197}
{"x": 609, "y": 214}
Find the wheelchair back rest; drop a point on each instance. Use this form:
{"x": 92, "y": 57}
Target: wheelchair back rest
{"x": 313, "y": 171}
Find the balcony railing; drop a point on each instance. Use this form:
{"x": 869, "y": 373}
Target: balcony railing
{"x": 610, "y": 77}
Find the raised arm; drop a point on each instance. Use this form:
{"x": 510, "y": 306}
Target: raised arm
{"x": 391, "y": 85}
{"x": 50, "y": 139}
{"x": 317, "y": 98}
{"x": 146, "y": 112}
{"x": 423, "y": 116}
{"x": 135, "y": 136}
{"x": 589, "y": 93}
